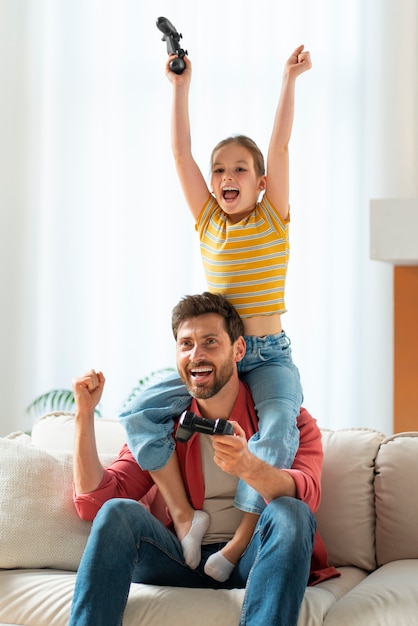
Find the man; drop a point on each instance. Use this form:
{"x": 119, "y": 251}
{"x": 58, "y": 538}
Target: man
{"x": 127, "y": 543}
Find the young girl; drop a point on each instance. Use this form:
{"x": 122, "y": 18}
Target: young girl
{"x": 245, "y": 249}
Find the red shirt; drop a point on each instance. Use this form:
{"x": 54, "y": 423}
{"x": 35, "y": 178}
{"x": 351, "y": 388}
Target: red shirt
{"x": 125, "y": 479}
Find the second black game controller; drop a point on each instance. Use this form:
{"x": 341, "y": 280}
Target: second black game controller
{"x": 172, "y": 38}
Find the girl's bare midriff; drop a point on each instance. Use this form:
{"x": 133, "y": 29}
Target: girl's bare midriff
{"x": 262, "y": 325}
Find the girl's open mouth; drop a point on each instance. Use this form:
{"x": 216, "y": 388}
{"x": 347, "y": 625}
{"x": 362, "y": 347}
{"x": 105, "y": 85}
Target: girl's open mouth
{"x": 230, "y": 193}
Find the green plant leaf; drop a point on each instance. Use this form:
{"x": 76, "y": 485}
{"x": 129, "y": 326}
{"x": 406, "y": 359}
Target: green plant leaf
{"x": 147, "y": 381}
{"x": 63, "y": 399}
{"x": 54, "y": 400}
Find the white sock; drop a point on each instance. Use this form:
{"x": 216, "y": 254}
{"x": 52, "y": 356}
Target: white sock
{"x": 192, "y": 542}
{"x": 218, "y": 567}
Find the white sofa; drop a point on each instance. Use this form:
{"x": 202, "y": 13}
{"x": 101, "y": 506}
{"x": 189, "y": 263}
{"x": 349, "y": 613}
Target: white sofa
{"x": 368, "y": 519}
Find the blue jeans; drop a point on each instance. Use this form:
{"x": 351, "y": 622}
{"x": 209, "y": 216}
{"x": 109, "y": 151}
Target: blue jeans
{"x": 127, "y": 544}
{"x": 274, "y": 381}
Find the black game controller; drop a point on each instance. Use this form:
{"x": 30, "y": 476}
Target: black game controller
{"x": 190, "y": 423}
{"x": 172, "y": 37}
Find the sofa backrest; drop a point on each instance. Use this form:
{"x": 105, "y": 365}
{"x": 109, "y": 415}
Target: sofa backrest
{"x": 396, "y": 488}
{"x": 367, "y": 515}
{"x": 346, "y": 516}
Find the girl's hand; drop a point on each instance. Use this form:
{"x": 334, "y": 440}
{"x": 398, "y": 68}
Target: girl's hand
{"x": 184, "y": 77}
{"x": 298, "y": 62}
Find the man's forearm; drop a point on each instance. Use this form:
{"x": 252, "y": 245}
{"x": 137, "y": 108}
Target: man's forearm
{"x": 87, "y": 468}
{"x": 269, "y": 481}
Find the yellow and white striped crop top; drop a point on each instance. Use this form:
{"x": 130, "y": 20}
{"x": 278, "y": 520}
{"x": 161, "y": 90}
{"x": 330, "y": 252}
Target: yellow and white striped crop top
{"x": 247, "y": 261}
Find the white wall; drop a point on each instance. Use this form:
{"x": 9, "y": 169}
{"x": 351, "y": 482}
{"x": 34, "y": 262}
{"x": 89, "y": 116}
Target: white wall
{"x": 96, "y": 245}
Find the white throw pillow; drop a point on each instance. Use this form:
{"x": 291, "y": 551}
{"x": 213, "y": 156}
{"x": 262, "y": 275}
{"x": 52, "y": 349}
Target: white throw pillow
{"x": 346, "y": 516}
{"x": 39, "y": 526}
{"x": 55, "y": 431}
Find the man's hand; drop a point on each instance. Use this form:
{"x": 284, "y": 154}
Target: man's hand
{"x": 88, "y": 390}
{"x": 231, "y": 452}
{"x": 234, "y": 457}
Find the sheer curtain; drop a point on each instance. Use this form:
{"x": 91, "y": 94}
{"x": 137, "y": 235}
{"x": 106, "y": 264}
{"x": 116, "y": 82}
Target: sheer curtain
{"x": 96, "y": 243}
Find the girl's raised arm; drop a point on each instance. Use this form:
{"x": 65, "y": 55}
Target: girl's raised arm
{"x": 277, "y": 186}
{"x": 195, "y": 189}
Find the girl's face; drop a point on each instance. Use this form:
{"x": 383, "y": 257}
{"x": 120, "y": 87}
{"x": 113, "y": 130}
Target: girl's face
{"x": 234, "y": 181}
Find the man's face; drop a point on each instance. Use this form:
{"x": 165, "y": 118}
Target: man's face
{"x": 206, "y": 359}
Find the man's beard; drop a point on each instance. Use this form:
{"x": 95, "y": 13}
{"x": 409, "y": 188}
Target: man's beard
{"x": 207, "y": 390}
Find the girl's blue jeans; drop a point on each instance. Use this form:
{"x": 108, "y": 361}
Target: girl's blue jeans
{"x": 269, "y": 371}
{"x": 127, "y": 544}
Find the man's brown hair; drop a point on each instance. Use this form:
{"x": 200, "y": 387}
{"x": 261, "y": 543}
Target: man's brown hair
{"x": 200, "y": 304}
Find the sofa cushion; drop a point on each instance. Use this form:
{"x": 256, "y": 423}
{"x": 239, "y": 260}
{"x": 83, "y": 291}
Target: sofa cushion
{"x": 40, "y": 597}
{"x": 346, "y": 516}
{"x": 43, "y": 598}
{"x": 319, "y": 599}
{"x": 39, "y": 526}
{"x": 396, "y": 487}
{"x": 387, "y": 597}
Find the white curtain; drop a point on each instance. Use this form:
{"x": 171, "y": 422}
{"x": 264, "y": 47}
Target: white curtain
{"x": 96, "y": 243}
